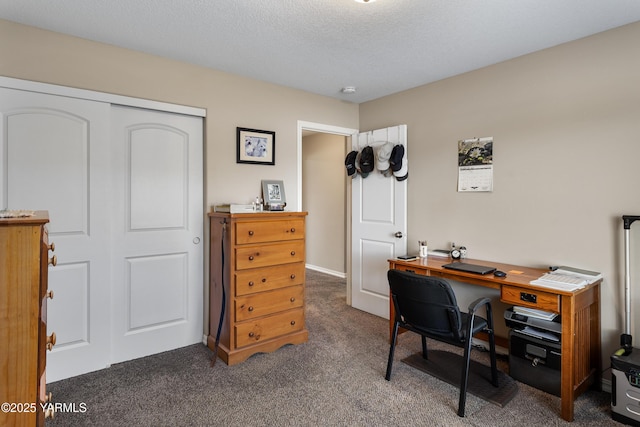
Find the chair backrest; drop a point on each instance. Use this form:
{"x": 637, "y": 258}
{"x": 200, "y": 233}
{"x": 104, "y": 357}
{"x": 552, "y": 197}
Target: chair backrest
{"x": 427, "y": 303}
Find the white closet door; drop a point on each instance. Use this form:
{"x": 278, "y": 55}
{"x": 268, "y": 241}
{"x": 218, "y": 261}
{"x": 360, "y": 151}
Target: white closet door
{"x": 54, "y": 155}
{"x": 157, "y": 232}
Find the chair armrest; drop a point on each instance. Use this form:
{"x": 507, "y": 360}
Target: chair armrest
{"x": 474, "y": 306}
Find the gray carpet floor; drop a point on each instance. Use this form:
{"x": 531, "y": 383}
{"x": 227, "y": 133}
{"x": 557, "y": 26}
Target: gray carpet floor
{"x": 335, "y": 379}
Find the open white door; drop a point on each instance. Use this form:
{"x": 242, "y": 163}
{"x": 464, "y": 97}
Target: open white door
{"x": 378, "y": 225}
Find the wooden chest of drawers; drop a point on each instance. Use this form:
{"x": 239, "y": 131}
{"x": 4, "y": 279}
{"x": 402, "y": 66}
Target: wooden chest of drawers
{"x": 257, "y": 261}
{"x": 24, "y": 260}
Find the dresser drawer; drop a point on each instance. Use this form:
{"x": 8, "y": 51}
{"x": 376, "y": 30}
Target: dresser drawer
{"x": 265, "y": 303}
{"x": 268, "y": 278}
{"x": 268, "y": 255}
{"x": 269, "y": 231}
{"x": 530, "y": 298}
{"x": 265, "y": 328}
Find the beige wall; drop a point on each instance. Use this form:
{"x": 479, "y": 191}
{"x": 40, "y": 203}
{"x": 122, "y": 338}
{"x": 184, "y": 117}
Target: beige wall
{"x": 324, "y": 196}
{"x": 231, "y": 101}
{"x": 566, "y": 128}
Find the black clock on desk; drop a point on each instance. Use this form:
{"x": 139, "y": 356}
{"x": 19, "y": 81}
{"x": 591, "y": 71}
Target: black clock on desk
{"x": 455, "y": 254}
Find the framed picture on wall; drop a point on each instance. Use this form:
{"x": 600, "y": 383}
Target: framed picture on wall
{"x": 255, "y": 146}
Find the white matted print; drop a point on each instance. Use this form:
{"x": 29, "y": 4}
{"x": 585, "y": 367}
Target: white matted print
{"x": 255, "y": 146}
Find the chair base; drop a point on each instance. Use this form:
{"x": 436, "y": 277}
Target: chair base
{"x": 446, "y": 365}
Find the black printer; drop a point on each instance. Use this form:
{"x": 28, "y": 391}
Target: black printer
{"x": 534, "y": 348}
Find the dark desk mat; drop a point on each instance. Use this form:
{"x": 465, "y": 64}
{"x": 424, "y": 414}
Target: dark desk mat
{"x": 448, "y": 366}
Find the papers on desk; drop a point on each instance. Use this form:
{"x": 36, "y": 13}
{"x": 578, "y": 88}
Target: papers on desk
{"x": 567, "y": 279}
{"x": 589, "y": 276}
{"x": 563, "y": 282}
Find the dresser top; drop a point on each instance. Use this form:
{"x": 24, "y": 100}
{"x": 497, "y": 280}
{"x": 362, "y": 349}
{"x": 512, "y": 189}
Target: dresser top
{"x": 38, "y": 217}
{"x": 258, "y": 215}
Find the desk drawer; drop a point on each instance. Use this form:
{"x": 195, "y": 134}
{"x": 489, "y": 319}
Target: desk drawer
{"x": 410, "y": 269}
{"x": 530, "y": 298}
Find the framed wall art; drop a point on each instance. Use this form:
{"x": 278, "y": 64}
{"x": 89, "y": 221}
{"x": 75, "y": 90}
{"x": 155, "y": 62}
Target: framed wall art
{"x": 256, "y": 146}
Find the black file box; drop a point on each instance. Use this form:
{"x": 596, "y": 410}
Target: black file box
{"x": 535, "y": 361}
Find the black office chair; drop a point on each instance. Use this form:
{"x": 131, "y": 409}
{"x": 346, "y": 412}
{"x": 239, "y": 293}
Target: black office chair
{"x": 427, "y": 306}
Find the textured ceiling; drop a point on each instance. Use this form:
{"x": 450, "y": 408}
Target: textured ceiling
{"x": 321, "y": 46}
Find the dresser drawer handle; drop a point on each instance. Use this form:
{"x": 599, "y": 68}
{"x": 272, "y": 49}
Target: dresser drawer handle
{"x": 251, "y": 258}
{"x": 293, "y": 253}
{"x": 250, "y": 232}
{"x": 293, "y": 276}
{"x": 293, "y": 322}
{"x": 292, "y": 299}
{"x": 251, "y": 334}
{"x": 251, "y": 283}
{"x": 49, "y": 294}
{"x": 293, "y": 230}
{"x": 51, "y": 341}
{"x": 250, "y": 308}
{"x": 53, "y": 260}
{"x": 264, "y": 280}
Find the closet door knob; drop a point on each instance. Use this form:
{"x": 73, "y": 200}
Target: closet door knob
{"x": 49, "y": 294}
{"x": 53, "y": 260}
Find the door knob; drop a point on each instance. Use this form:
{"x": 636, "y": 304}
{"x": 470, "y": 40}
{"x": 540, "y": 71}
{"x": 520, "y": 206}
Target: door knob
{"x": 399, "y": 234}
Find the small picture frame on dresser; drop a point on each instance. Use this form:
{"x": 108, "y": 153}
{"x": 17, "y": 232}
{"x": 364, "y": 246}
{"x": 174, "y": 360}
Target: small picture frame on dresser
{"x": 273, "y": 195}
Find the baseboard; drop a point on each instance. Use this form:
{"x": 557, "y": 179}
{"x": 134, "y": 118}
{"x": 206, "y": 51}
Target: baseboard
{"x": 327, "y": 271}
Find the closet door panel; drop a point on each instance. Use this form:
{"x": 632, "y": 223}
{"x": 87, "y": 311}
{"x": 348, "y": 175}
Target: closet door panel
{"x": 54, "y": 156}
{"x": 158, "y": 240}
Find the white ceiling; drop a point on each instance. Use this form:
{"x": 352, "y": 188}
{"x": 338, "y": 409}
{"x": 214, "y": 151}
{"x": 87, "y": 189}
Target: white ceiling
{"x": 321, "y": 46}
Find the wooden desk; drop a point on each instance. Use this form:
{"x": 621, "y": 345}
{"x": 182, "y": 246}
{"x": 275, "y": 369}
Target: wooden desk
{"x": 580, "y": 311}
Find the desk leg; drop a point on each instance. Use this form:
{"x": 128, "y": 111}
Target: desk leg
{"x": 567, "y": 378}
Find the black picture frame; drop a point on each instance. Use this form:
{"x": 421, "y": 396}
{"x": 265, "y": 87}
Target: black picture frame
{"x": 255, "y": 146}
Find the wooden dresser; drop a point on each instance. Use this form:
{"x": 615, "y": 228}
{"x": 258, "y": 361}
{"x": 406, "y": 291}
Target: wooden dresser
{"x": 24, "y": 260}
{"x": 257, "y": 260}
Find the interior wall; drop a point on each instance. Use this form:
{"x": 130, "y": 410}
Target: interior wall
{"x": 565, "y": 123}
{"x": 324, "y": 197}
{"x": 231, "y": 101}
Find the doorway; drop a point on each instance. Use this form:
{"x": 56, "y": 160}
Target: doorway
{"x": 323, "y": 191}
